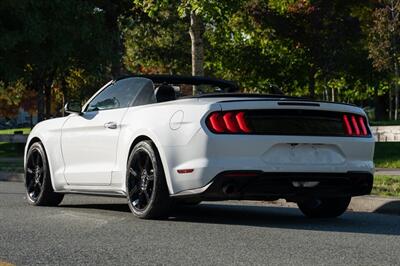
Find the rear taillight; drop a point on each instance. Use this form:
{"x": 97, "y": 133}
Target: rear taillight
{"x": 355, "y": 125}
{"x": 216, "y": 123}
{"x": 228, "y": 122}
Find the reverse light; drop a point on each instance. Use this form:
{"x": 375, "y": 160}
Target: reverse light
{"x": 230, "y": 122}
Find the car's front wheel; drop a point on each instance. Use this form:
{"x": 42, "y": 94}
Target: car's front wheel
{"x": 147, "y": 191}
{"x": 324, "y": 207}
{"x": 39, "y": 190}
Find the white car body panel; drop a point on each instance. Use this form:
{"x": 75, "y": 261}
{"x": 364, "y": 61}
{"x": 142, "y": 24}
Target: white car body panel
{"x": 84, "y": 156}
{"x": 92, "y": 154}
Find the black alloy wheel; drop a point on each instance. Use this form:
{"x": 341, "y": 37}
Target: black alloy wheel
{"x": 39, "y": 190}
{"x": 141, "y": 181}
{"x": 35, "y": 173}
{"x": 324, "y": 207}
{"x": 147, "y": 191}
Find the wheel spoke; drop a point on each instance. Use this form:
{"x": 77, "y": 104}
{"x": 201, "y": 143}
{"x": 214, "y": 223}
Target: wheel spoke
{"x": 133, "y": 191}
{"x": 40, "y": 171}
{"x": 29, "y": 170}
{"x": 31, "y": 184}
{"x": 37, "y": 190}
{"x": 132, "y": 172}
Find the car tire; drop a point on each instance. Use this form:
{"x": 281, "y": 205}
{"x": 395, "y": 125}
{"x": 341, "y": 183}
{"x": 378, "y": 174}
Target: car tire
{"x": 146, "y": 187}
{"x": 39, "y": 189}
{"x": 324, "y": 207}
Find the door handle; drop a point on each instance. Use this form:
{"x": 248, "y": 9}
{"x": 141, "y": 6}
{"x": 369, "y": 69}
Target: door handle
{"x": 110, "y": 125}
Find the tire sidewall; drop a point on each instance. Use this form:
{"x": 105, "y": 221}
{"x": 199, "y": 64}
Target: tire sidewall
{"x": 37, "y": 146}
{"x": 158, "y": 174}
{"x": 328, "y": 208}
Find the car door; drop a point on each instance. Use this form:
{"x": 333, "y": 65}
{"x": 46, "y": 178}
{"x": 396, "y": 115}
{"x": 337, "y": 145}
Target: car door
{"x": 89, "y": 141}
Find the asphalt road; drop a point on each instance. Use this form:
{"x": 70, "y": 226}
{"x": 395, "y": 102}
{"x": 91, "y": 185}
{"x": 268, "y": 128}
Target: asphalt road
{"x": 101, "y": 230}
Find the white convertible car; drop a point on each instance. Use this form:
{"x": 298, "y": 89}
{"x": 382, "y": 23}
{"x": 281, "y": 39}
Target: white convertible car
{"x": 138, "y": 139}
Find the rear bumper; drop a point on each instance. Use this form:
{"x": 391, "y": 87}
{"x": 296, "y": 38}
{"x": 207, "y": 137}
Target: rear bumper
{"x": 210, "y": 155}
{"x": 290, "y": 186}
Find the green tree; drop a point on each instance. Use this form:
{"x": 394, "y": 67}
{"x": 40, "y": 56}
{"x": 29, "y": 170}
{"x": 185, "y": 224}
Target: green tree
{"x": 157, "y": 43}
{"x": 41, "y": 40}
{"x": 199, "y": 15}
{"x": 384, "y": 45}
{"x": 327, "y": 32}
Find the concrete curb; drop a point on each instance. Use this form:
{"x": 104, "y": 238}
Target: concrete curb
{"x": 373, "y": 204}
{"x": 387, "y": 171}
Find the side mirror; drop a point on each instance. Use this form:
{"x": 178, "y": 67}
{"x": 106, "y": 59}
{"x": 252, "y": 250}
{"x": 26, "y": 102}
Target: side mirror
{"x": 73, "y": 107}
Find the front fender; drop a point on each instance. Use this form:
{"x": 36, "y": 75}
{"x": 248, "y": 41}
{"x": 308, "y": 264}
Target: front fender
{"x": 49, "y": 134}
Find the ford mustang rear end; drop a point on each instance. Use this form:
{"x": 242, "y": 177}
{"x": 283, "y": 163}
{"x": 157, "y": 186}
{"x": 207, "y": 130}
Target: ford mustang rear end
{"x": 269, "y": 148}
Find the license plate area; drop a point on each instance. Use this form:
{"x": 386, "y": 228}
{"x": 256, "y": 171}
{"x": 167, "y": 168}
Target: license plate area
{"x": 303, "y": 154}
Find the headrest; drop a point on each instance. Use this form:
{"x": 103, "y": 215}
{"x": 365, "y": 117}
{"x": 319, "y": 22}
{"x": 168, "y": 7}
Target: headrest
{"x": 165, "y": 93}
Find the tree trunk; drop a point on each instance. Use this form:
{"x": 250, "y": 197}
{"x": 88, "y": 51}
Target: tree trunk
{"x": 40, "y": 103}
{"x": 394, "y": 20}
{"x": 47, "y": 92}
{"x": 390, "y": 104}
{"x": 117, "y": 49}
{"x": 379, "y": 105}
{"x": 396, "y": 89}
{"x": 196, "y": 32}
{"x": 311, "y": 82}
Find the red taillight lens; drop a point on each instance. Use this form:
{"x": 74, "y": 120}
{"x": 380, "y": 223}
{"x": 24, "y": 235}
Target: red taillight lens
{"x": 228, "y": 122}
{"x": 354, "y": 125}
{"x": 362, "y": 125}
{"x": 231, "y": 123}
{"x": 347, "y": 125}
{"x": 240, "y": 117}
{"x": 216, "y": 123}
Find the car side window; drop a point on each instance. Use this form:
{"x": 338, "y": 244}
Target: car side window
{"x": 117, "y": 95}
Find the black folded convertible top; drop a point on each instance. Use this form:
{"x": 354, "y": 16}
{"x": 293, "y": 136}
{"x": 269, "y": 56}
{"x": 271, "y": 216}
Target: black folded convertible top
{"x": 231, "y": 89}
{"x": 230, "y": 86}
